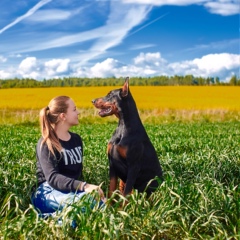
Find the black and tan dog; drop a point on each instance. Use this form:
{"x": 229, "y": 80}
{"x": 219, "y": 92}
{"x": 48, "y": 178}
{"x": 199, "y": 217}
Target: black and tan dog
{"x": 132, "y": 157}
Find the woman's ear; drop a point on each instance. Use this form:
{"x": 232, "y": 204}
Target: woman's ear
{"x": 62, "y": 116}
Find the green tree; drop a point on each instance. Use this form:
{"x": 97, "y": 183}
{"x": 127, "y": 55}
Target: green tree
{"x": 233, "y": 81}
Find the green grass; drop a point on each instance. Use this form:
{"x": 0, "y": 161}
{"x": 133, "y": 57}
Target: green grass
{"x": 199, "y": 198}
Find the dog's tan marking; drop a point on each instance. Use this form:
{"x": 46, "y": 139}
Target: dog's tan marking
{"x": 121, "y": 186}
{"x": 112, "y": 185}
{"x": 109, "y": 147}
{"x": 122, "y": 151}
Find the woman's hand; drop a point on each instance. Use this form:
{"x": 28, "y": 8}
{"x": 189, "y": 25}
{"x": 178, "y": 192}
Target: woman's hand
{"x": 91, "y": 187}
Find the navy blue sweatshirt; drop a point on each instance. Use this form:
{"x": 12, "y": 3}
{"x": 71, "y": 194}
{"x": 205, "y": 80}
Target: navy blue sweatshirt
{"x": 62, "y": 171}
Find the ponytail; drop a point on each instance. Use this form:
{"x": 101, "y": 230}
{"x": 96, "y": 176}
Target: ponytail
{"x": 48, "y": 118}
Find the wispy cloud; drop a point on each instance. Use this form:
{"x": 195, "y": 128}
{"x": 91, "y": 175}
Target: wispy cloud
{"x": 144, "y": 26}
{"x": 225, "y": 8}
{"x": 166, "y": 2}
{"x": 220, "y": 45}
{"x": 118, "y": 25}
{"x": 2, "y": 59}
{"x": 29, "y": 13}
{"x": 141, "y": 46}
{"x": 50, "y": 15}
{"x": 221, "y": 7}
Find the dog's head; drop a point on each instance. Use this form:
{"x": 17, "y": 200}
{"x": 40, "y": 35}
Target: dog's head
{"x": 111, "y": 103}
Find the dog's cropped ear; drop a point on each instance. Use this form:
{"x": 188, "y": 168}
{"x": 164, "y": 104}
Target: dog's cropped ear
{"x": 125, "y": 87}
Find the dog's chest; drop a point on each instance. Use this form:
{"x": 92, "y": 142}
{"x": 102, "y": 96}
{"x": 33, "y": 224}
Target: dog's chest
{"x": 120, "y": 143}
{"x": 116, "y": 149}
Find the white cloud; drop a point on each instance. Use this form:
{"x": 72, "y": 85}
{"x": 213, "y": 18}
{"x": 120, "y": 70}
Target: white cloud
{"x": 53, "y": 15}
{"x": 165, "y": 2}
{"x": 222, "y": 65}
{"x": 112, "y": 67}
{"x": 221, "y": 7}
{"x": 15, "y": 55}
{"x": 56, "y": 66}
{"x": 213, "y": 63}
{"x": 224, "y": 8}
{"x": 3, "y": 59}
{"x": 49, "y": 15}
{"x": 152, "y": 59}
{"x": 104, "y": 68}
{"x": 28, "y": 64}
{"x": 29, "y": 68}
{"x": 5, "y": 75}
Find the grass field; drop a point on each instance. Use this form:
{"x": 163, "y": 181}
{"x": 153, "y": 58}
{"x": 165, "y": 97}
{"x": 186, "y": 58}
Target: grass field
{"x": 198, "y": 200}
{"x": 198, "y": 147}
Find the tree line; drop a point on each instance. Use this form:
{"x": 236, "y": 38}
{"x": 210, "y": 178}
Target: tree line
{"x": 187, "y": 80}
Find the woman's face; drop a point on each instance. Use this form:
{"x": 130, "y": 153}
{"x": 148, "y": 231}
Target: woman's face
{"x": 71, "y": 116}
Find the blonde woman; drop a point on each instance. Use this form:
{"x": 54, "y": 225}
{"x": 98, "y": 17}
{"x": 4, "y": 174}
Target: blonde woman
{"x": 59, "y": 158}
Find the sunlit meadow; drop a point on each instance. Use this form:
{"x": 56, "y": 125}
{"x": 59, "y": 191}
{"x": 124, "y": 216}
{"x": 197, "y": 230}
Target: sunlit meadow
{"x": 158, "y": 103}
{"x": 147, "y": 97}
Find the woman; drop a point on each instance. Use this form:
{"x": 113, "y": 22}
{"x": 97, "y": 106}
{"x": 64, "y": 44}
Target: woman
{"x": 59, "y": 158}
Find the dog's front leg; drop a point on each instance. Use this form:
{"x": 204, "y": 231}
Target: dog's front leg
{"x": 133, "y": 158}
{"x": 112, "y": 185}
{"x": 113, "y": 180}
{"x": 131, "y": 179}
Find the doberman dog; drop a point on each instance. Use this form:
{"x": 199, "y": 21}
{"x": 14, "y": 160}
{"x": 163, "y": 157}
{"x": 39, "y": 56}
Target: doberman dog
{"x": 132, "y": 157}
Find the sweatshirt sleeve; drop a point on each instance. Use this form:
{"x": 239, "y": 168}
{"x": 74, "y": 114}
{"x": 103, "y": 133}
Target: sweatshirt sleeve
{"x": 50, "y": 170}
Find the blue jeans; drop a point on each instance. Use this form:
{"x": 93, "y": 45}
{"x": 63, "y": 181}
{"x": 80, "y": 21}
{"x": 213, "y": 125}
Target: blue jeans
{"x": 48, "y": 200}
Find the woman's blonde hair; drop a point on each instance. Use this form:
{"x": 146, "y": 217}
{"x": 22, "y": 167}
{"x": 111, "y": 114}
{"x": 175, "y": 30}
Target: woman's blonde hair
{"x": 49, "y": 117}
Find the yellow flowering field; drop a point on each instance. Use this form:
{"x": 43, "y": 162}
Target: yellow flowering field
{"x": 146, "y": 97}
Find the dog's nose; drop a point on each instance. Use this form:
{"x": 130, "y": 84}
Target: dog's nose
{"x": 93, "y": 101}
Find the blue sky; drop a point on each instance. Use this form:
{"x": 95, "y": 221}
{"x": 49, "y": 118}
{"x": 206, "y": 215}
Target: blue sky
{"x": 44, "y": 39}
